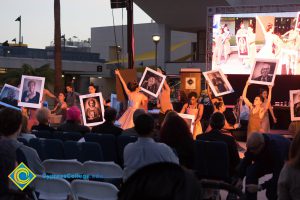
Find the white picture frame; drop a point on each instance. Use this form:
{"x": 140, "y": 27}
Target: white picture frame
{"x": 242, "y": 52}
{"x": 189, "y": 119}
{"x": 257, "y": 70}
{"x": 156, "y": 77}
{"x": 295, "y": 105}
{"x": 92, "y": 116}
{"x": 214, "y": 77}
{"x": 38, "y": 86}
{"x": 9, "y": 102}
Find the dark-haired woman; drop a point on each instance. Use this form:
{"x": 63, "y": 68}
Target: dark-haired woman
{"x": 257, "y": 110}
{"x": 176, "y": 134}
{"x": 289, "y": 178}
{"x": 136, "y": 100}
{"x": 266, "y": 120}
{"x": 196, "y": 109}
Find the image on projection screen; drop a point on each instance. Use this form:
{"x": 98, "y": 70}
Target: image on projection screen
{"x": 240, "y": 39}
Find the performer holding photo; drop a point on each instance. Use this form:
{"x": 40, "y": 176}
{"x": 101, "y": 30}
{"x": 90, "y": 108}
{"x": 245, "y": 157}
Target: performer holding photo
{"x": 257, "y": 110}
{"x": 196, "y": 109}
{"x": 136, "y": 100}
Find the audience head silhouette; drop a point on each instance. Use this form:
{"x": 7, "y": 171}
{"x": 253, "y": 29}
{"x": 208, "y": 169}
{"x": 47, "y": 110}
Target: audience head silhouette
{"x": 146, "y": 184}
{"x": 255, "y": 143}
{"x": 144, "y": 125}
{"x": 110, "y": 114}
{"x": 10, "y": 122}
{"x": 217, "y": 121}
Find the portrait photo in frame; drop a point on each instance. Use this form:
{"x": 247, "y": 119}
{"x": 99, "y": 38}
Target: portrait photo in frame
{"x": 264, "y": 72}
{"x": 9, "y": 96}
{"x": 152, "y": 82}
{"x": 31, "y": 91}
{"x": 295, "y": 105}
{"x": 218, "y": 82}
{"x": 92, "y": 109}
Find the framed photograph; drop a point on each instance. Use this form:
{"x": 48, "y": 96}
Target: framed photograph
{"x": 288, "y": 62}
{"x": 297, "y": 27}
{"x": 218, "y": 82}
{"x": 152, "y": 82}
{"x": 9, "y": 96}
{"x": 190, "y": 83}
{"x": 92, "y": 109}
{"x": 243, "y": 46}
{"x": 189, "y": 119}
{"x": 264, "y": 72}
{"x": 31, "y": 91}
{"x": 295, "y": 105}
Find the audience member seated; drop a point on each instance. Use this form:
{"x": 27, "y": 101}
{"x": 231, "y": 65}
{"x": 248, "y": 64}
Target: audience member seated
{"x": 132, "y": 131}
{"x": 10, "y": 128}
{"x": 108, "y": 126}
{"x": 266, "y": 154}
{"x": 161, "y": 181}
{"x": 43, "y": 117}
{"x": 24, "y": 131}
{"x": 289, "y": 179}
{"x": 8, "y": 162}
{"x": 145, "y": 150}
{"x": 217, "y": 122}
{"x": 73, "y": 122}
{"x": 176, "y": 134}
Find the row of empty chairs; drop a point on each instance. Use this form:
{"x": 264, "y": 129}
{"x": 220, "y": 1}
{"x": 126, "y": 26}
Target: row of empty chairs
{"x": 77, "y": 189}
{"x": 103, "y": 169}
{"x": 112, "y": 147}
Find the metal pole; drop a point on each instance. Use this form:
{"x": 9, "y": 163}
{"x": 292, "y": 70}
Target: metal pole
{"x": 130, "y": 48}
{"x": 155, "y": 54}
{"x": 20, "y": 31}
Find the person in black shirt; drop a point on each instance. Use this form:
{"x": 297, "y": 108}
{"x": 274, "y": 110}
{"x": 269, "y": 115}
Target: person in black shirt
{"x": 217, "y": 122}
{"x": 266, "y": 154}
{"x": 43, "y": 115}
{"x": 108, "y": 126}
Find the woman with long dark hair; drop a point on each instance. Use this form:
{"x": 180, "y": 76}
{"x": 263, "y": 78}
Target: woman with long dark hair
{"x": 176, "y": 133}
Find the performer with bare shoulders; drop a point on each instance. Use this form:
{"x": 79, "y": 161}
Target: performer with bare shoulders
{"x": 196, "y": 109}
{"x": 136, "y": 100}
{"x": 257, "y": 110}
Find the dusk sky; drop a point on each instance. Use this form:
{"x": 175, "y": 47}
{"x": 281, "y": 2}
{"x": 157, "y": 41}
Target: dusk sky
{"x": 77, "y": 18}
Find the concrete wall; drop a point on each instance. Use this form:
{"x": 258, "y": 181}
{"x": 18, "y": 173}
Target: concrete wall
{"x": 103, "y": 37}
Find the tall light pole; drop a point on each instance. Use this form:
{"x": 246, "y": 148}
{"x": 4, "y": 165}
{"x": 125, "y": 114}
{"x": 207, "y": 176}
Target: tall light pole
{"x": 19, "y": 19}
{"x": 156, "y": 39}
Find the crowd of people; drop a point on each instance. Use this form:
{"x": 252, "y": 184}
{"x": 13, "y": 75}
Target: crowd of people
{"x": 168, "y": 144}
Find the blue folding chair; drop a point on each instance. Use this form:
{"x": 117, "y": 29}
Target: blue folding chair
{"x": 91, "y": 151}
{"x": 24, "y": 141}
{"x": 71, "y": 136}
{"x": 43, "y": 134}
{"x": 107, "y": 143}
{"x": 72, "y": 150}
{"x": 122, "y": 141}
{"x": 211, "y": 160}
{"x": 54, "y": 149}
{"x": 36, "y": 144}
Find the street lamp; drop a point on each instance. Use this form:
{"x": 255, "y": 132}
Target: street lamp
{"x": 156, "y": 39}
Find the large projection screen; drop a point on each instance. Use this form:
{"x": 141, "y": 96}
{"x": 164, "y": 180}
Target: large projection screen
{"x": 238, "y": 36}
